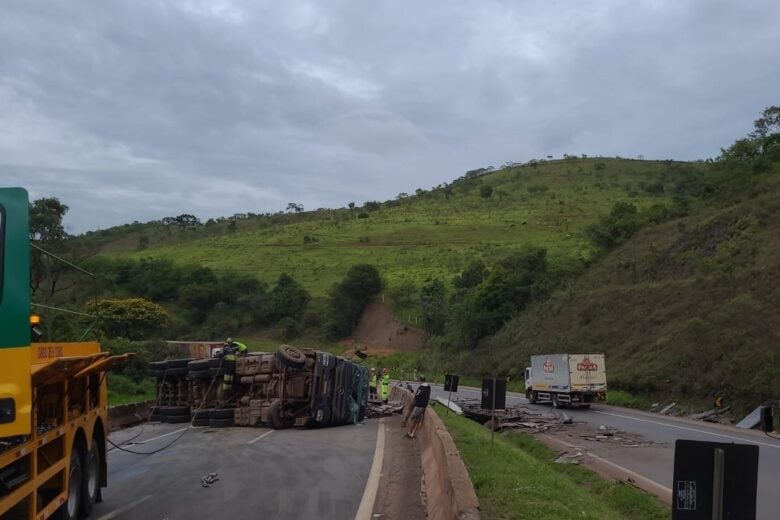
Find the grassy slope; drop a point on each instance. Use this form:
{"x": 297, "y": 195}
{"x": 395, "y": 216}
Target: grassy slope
{"x": 686, "y": 310}
{"x": 425, "y": 235}
{"x": 517, "y": 479}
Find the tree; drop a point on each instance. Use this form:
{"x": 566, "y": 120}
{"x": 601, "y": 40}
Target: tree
{"x": 350, "y": 296}
{"x": 293, "y": 206}
{"x": 47, "y": 232}
{"x": 351, "y": 205}
{"x": 486, "y": 191}
{"x": 471, "y": 276}
{"x": 433, "y": 306}
{"x": 614, "y": 229}
{"x": 288, "y": 298}
{"x": 133, "y": 319}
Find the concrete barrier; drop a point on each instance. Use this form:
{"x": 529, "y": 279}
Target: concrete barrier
{"x": 448, "y": 488}
{"x": 126, "y": 415}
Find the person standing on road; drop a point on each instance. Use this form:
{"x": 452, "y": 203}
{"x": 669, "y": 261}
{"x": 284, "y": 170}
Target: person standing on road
{"x": 421, "y": 398}
{"x": 385, "y": 385}
{"x": 372, "y": 384}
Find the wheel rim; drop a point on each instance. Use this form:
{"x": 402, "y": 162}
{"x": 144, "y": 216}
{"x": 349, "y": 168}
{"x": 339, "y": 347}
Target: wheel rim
{"x": 74, "y": 488}
{"x": 92, "y": 475}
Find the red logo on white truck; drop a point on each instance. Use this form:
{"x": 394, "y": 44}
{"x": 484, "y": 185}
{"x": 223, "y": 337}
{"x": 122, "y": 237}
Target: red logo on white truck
{"x": 586, "y": 365}
{"x": 548, "y": 366}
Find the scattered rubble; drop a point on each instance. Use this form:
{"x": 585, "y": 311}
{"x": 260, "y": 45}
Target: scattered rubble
{"x": 379, "y": 409}
{"x": 207, "y": 480}
{"x": 569, "y": 458}
{"x": 666, "y": 409}
{"x": 516, "y": 416}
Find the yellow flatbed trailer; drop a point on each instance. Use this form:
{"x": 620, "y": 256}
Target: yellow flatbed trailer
{"x": 53, "y": 397}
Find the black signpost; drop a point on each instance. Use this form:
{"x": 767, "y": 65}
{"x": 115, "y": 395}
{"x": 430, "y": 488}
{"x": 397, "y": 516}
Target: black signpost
{"x": 713, "y": 481}
{"x": 493, "y": 397}
{"x": 450, "y": 385}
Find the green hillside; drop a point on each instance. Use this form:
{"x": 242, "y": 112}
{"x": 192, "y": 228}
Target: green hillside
{"x": 434, "y": 233}
{"x": 686, "y": 310}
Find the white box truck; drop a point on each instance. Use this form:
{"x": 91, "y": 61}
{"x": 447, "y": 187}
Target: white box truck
{"x": 566, "y": 379}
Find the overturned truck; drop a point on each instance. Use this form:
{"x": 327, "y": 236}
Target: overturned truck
{"x": 291, "y": 387}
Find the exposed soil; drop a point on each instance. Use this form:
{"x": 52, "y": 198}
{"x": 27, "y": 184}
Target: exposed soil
{"x": 381, "y": 332}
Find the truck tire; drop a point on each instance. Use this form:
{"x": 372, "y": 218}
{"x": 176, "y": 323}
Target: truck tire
{"x": 157, "y": 365}
{"x": 555, "y": 402}
{"x": 197, "y": 365}
{"x": 159, "y": 374}
{"x": 202, "y": 414}
{"x": 177, "y": 363}
{"x": 173, "y": 410}
{"x": 291, "y": 356}
{"x": 198, "y": 374}
{"x": 584, "y": 406}
{"x": 90, "y": 488}
{"x": 177, "y": 419}
{"x": 71, "y": 509}
{"x": 158, "y": 417}
{"x": 215, "y": 363}
{"x": 222, "y": 413}
{"x": 176, "y": 372}
{"x": 201, "y": 422}
{"x": 216, "y": 372}
{"x": 220, "y": 423}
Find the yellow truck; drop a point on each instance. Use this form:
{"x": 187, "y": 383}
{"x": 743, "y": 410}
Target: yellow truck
{"x": 53, "y": 396}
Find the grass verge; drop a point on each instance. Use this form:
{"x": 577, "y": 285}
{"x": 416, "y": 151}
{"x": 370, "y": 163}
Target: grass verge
{"x": 123, "y": 390}
{"x": 621, "y": 398}
{"x": 517, "y": 479}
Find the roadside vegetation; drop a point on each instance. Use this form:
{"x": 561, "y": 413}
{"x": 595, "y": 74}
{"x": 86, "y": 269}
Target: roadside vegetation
{"x": 516, "y": 478}
{"x": 670, "y": 268}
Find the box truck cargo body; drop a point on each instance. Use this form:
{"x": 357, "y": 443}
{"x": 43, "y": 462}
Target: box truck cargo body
{"x": 566, "y": 379}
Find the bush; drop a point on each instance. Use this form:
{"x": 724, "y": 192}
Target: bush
{"x": 486, "y": 191}
{"x": 615, "y": 228}
{"x": 349, "y": 297}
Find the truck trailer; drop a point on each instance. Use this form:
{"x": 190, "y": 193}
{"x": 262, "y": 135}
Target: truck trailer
{"x": 53, "y": 396}
{"x": 566, "y": 379}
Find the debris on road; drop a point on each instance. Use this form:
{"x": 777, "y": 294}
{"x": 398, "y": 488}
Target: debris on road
{"x": 569, "y": 458}
{"x": 207, "y": 480}
{"x": 715, "y": 415}
{"x": 516, "y": 416}
{"x": 450, "y": 404}
{"x": 666, "y": 409}
{"x": 606, "y": 434}
{"x": 751, "y": 420}
{"x": 376, "y": 409}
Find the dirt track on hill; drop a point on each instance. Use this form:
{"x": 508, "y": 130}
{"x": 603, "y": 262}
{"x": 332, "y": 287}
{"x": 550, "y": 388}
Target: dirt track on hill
{"x": 380, "y": 331}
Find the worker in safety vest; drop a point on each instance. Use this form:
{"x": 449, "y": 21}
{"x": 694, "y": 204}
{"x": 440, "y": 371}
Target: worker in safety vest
{"x": 372, "y": 384}
{"x": 385, "y": 384}
{"x": 229, "y": 352}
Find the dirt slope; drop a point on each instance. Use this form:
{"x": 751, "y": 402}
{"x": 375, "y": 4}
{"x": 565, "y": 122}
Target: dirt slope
{"x": 379, "y": 329}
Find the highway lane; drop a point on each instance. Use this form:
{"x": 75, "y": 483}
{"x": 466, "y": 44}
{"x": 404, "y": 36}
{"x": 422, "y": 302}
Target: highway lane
{"x": 657, "y": 462}
{"x": 285, "y": 474}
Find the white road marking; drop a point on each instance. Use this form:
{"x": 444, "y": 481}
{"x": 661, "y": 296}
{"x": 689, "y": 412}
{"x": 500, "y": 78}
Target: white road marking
{"x": 133, "y": 443}
{"x": 705, "y": 432}
{"x": 117, "y": 512}
{"x": 372, "y": 484}
{"x": 266, "y": 434}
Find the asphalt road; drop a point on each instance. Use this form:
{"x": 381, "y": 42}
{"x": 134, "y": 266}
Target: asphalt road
{"x": 657, "y": 463}
{"x": 285, "y": 474}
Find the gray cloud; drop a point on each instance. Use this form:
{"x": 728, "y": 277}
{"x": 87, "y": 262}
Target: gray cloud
{"x": 139, "y": 110}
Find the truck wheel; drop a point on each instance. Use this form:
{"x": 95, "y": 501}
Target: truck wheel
{"x": 291, "y": 356}
{"x": 584, "y": 406}
{"x": 91, "y": 481}
{"x": 173, "y": 410}
{"x": 555, "y": 402}
{"x": 220, "y": 423}
{"x": 176, "y": 372}
{"x": 177, "y": 419}
{"x": 223, "y": 413}
{"x": 532, "y": 397}
{"x": 70, "y": 509}
{"x": 198, "y": 365}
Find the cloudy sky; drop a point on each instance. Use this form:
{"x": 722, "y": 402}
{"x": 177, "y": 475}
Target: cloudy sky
{"x": 136, "y": 110}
